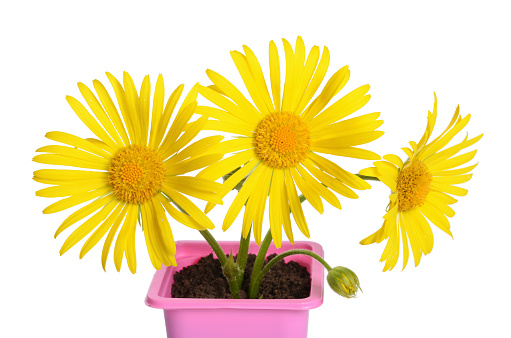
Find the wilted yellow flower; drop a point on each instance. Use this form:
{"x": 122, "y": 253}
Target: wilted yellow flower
{"x": 421, "y": 189}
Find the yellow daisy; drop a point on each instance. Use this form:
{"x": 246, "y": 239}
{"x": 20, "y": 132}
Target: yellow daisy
{"x": 133, "y": 170}
{"x": 421, "y": 189}
{"x": 279, "y": 140}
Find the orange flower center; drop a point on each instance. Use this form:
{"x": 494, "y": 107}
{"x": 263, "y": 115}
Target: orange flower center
{"x": 282, "y": 140}
{"x": 413, "y": 184}
{"x": 136, "y": 174}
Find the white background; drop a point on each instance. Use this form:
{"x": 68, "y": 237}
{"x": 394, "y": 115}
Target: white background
{"x": 405, "y": 51}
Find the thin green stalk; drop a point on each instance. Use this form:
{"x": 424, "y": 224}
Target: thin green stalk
{"x": 241, "y": 260}
{"x": 222, "y": 257}
{"x": 229, "y": 270}
{"x": 207, "y": 236}
{"x": 214, "y": 245}
{"x": 271, "y": 263}
{"x": 259, "y": 262}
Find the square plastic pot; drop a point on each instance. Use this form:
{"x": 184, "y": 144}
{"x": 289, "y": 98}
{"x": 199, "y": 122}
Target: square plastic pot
{"x": 223, "y": 318}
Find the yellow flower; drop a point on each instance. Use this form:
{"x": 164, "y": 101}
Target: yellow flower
{"x": 133, "y": 171}
{"x": 421, "y": 189}
{"x": 278, "y": 140}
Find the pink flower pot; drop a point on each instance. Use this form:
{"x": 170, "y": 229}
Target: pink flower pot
{"x": 224, "y": 318}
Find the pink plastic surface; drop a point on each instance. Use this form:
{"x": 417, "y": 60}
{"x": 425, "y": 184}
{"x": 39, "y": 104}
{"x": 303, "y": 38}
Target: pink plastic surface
{"x": 247, "y": 318}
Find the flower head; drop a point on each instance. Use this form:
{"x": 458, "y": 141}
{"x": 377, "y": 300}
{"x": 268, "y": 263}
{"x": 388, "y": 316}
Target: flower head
{"x": 421, "y": 190}
{"x": 280, "y": 137}
{"x": 343, "y": 281}
{"x": 134, "y": 170}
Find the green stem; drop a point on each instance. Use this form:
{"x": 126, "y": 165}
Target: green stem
{"x": 214, "y": 245}
{"x": 241, "y": 260}
{"x": 222, "y": 257}
{"x": 258, "y": 264}
{"x": 208, "y": 236}
{"x": 259, "y": 261}
{"x": 271, "y": 263}
{"x": 234, "y": 285}
{"x": 367, "y": 178}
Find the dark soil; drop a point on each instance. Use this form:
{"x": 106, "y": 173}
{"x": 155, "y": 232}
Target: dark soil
{"x": 206, "y": 280}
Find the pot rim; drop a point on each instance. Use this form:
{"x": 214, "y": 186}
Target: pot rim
{"x": 159, "y": 297}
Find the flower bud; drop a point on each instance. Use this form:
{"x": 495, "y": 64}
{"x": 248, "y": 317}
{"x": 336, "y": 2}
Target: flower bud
{"x": 230, "y": 268}
{"x": 343, "y": 281}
